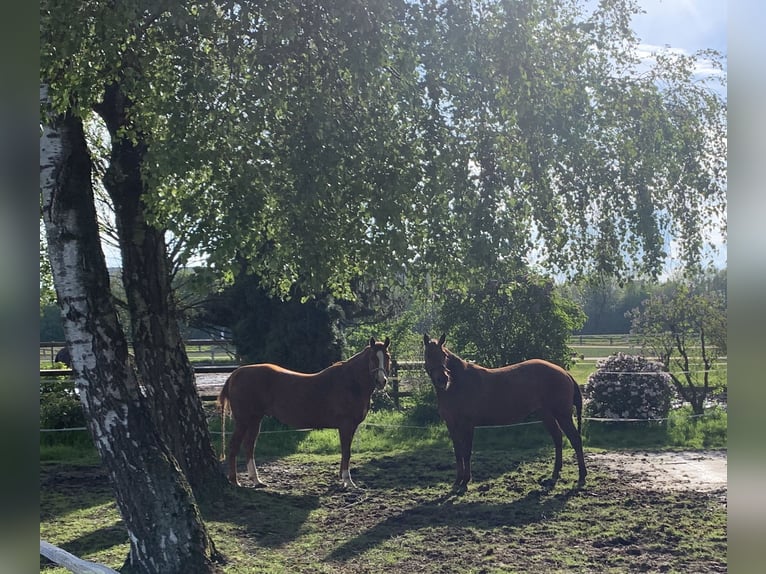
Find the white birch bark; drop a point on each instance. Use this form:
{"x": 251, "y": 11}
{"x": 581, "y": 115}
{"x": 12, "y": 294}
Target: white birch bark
{"x": 164, "y": 526}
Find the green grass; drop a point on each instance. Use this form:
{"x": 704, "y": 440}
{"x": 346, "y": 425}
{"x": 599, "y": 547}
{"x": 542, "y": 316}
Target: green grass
{"x": 682, "y": 430}
{"x": 581, "y": 370}
{"x": 403, "y": 519}
{"x": 394, "y": 431}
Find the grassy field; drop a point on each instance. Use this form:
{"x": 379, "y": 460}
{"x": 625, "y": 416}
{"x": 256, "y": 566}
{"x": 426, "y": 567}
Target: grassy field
{"x": 403, "y": 517}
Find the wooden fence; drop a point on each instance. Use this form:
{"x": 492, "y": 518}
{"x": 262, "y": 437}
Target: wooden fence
{"x": 212, "y": 350}
{"x": 404, "y": 374}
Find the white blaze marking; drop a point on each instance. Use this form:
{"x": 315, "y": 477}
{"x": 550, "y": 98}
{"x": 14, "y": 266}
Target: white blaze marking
{"x": 380, "y": 373}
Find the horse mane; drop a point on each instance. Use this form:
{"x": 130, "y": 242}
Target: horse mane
{"x": 452, "y": 358}
{"x": 350, "y": 359}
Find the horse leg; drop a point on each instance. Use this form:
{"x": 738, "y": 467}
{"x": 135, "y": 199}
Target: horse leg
{"x": 251, "y": 437}
{"x": 234, "y": 444}
{"x": 555, "y": 431}
{"x": 467, "y": 452}
{"x": 460, "y": 438}
{"x": 566, "y": 424}
{"x": 346, "y": 433}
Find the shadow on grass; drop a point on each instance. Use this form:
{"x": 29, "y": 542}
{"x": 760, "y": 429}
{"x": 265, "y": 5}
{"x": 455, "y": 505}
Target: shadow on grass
{"x": 432, "y": 465}
{"x": 65, "y": 488}
{"x": 272, "y": 518}
{"x": 93, "y": 542}
{"x": 448, "y": 512}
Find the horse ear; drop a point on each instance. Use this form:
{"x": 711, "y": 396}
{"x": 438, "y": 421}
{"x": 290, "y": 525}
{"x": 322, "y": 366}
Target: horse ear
{"x": 442, "y": 339}
{"x": 386, "y": 343}
{"x": 426, "y": 338}
{"x": 372, "y": 341}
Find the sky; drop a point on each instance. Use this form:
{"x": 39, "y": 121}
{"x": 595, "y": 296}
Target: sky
{"x": 688, "y": 25}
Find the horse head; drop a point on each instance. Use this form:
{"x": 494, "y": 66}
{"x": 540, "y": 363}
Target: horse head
{"x": 436, "y": 362}
{"x": 380, "y": 362}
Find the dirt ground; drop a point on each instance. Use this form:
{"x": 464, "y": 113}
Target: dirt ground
{"x": 701, "y": 471}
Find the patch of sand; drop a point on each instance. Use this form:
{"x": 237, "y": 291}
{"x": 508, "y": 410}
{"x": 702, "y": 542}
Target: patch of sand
{"x": 703, "y": 471}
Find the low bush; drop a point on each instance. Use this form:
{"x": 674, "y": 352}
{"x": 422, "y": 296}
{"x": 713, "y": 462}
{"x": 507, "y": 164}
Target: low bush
{"x": 628, "y": 386}
{"x": 60, "y": 406}
{"x": 423, "y": 410}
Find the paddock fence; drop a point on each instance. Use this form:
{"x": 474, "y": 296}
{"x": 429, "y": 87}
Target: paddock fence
{"x": 215, "y": 359}
{"x": 211, "y": 373}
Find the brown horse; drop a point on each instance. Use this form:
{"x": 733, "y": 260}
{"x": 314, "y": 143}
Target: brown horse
{"x": 470, "y": 395}
{"x": 337, "y": 397}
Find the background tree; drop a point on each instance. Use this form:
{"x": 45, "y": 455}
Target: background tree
{"x": 300, "y": 335}
{"x": 686, "y": 330}
{"x": 605, "y": 301}
{"x": 507, "y": 322}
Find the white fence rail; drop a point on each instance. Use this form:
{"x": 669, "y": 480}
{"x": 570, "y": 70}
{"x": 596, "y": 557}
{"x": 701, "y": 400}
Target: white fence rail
{"x": 72, "y": 562}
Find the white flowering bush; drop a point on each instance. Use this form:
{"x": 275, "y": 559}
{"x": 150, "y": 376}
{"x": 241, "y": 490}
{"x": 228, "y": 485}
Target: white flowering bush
{"x": 628, "y": 386}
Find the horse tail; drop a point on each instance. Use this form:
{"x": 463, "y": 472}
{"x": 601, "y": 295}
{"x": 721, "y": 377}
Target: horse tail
{"x": 577, "y": 403}
{"x": 224, "y": 405}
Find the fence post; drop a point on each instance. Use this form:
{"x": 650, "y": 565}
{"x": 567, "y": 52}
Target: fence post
{"x": 395, "y": 382}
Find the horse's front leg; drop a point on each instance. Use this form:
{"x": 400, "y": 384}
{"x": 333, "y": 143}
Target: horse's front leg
{"x": 467, "y": 452}
{"x": 462, "y": 442}
{"x": 346, "y": 436}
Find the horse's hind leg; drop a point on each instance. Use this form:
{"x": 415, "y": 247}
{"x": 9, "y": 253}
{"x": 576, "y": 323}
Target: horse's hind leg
{"x": 575, "y": 439}
{"x": 555, "y": 431}
{"x": 234, "y": 444}
{"x": 251, "y": 437}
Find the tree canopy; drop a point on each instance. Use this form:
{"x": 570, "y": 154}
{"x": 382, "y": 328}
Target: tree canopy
{"x": 320, "y": 142}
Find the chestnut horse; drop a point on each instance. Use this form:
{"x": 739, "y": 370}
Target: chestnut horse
{"x": 470, "y": 395}
{"x": 336, "y": 397}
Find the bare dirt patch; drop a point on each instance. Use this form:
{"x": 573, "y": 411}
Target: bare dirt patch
{"x": 700, "y": 471}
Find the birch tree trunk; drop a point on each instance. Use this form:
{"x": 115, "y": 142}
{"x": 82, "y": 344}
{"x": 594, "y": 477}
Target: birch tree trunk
{"x": 161, "y": 358}
{"x": 164, "y": 524}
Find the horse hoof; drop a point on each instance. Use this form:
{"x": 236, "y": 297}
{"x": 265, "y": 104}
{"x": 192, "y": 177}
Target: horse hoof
{"x": 548, "y": 483}
{"x": 459, "y": 487}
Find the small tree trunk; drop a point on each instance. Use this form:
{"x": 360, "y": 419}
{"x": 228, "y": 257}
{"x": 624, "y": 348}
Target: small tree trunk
{"x": 161, "y": 358}
{"x": 156, "y": 503}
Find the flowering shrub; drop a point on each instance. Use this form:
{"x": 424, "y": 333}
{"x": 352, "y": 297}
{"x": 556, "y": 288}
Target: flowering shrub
{"x": 628, "y": 386}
